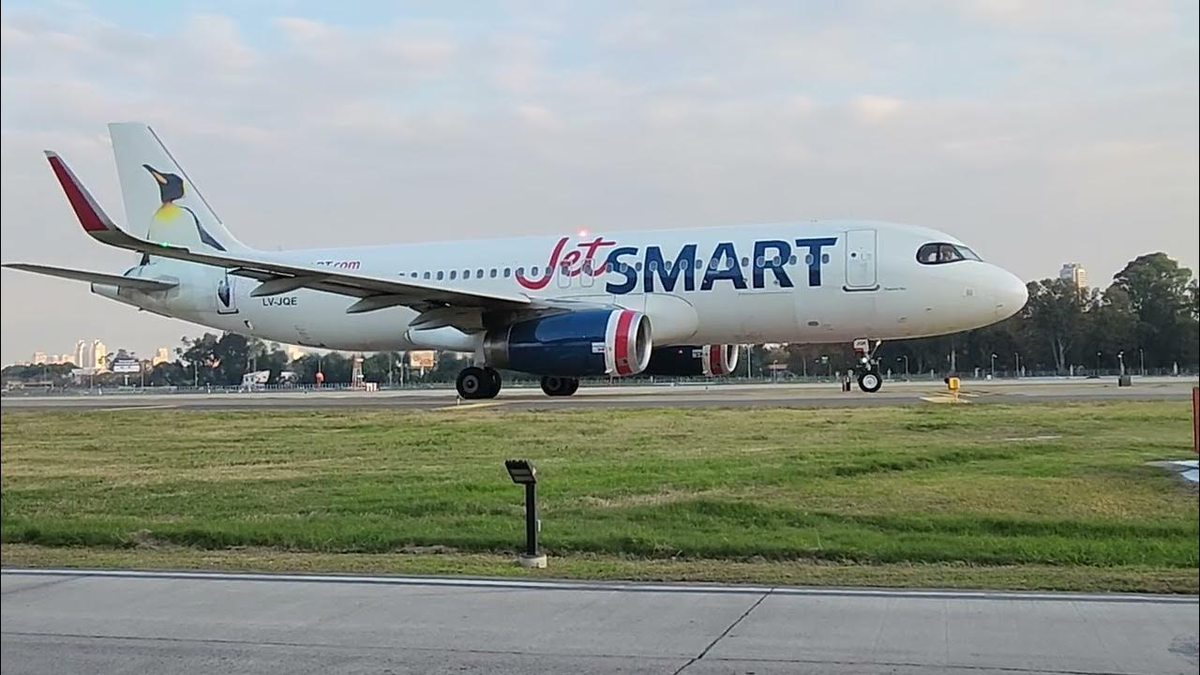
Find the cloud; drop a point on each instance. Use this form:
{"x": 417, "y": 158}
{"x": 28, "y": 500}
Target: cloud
{"x": 875, "y": 109}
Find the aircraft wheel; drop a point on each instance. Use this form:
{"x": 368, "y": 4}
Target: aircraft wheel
{"x": 497, "y": 382}
{"x": 473, "y": 383}
{"x": 869, "y": 381}
{"x": 554, "y": 385}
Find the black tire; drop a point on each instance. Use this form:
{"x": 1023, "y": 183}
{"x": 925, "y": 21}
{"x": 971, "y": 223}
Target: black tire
{"x": 497, "y": 381}
{"x": 473, "y": 383}
{"x": 869, "y": 381}
{"x": 553, "y": 385}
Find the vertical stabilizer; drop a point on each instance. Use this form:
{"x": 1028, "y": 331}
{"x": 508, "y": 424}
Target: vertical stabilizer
{"x": 161, "y": 202}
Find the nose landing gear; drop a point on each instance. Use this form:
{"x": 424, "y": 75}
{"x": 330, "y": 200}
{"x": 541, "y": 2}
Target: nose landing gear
{"x": 869, "y": 379}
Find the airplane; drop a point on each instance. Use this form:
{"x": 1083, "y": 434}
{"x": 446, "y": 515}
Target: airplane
{"x": 620, "y": 304}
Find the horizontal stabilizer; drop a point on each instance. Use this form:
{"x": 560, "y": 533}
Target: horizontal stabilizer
{"x": 147, "y": 285}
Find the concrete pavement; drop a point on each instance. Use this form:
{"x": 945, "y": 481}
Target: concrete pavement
{"x": 70, "y": 621}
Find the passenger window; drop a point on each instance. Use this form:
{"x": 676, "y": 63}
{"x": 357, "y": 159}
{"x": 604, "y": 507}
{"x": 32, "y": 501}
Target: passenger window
{"x": 441, "y": 274}
{"x": 792, "y": 260}
{"x": 776, "y": 260}
{"x": 520, "y": 271}
{"x": 493, "y": 273}
{"x": 653, "y": 265}
{"x": 825, "y": 258}
{"x": 533, "y": 271}
{"x": 466, "y": 274}
{"x": 760, "y": 261}
{"x": 745, "y": 261}
{"x": 507, "y": 271}
{"x": 453, "y": 274}
{"x": 638, "y": 266}
{"x": 808, "y": 259}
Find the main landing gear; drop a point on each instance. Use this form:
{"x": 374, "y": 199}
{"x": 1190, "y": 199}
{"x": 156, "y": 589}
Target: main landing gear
{"x": 475, "y": 383}
{"x": 554, "y": 385}
{"x": 869, "y": 379}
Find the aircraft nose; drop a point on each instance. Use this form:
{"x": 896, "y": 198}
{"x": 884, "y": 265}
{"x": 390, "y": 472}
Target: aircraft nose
{"x": 1010, "y": 294}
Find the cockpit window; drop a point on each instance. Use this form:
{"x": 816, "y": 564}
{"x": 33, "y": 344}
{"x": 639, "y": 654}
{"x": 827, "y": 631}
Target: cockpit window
{"x": 939, "y": 253}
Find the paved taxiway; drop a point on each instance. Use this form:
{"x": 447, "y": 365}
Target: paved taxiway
{"x": 67, "y": 622}
{"x": 635, "y": 396}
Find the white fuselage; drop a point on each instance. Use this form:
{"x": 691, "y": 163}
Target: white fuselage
{"x": 812, "y": 282}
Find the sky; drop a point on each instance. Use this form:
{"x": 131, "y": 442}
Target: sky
{"x": 1038, "y": 132}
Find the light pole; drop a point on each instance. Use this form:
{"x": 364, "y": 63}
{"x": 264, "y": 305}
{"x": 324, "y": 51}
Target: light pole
{"x": 1097, "y": 364}
{"x": 1142, "y": 360}
{"x": 905, "y": 357}
{"x": 1121, "y": 362}
{"x": 1017, "y": 372}
{"x": 993, "y": 365}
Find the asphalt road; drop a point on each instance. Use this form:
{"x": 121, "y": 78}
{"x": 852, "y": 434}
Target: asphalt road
{"x": 633, "y": 396}
{"x": 65, "y": 622}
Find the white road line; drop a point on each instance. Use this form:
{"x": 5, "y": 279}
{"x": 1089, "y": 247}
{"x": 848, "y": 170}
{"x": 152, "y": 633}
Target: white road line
{"x": 485, "y": 582}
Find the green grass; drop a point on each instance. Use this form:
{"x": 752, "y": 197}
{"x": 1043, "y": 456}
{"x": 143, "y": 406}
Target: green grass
{"x": 927, "y": 488}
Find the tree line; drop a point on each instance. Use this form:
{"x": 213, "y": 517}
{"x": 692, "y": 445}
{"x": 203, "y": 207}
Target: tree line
{"x": 1149, "y": 314}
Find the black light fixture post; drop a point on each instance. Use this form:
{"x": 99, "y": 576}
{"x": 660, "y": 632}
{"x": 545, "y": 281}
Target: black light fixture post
{"x": 522, "y": 472}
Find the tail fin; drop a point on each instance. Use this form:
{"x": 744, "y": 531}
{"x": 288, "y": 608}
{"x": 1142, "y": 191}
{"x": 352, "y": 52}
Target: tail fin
{"x": 161, "y": 202}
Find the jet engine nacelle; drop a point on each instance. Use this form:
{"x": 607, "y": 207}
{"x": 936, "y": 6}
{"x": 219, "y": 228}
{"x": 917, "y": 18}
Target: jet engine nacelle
{"x": 573, "y": 344}
{"x": 707, "y": 360}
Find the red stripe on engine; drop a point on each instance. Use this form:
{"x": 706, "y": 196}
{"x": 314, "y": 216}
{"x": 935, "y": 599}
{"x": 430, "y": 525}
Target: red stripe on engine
{"x": 621, "y": 343}
{"x": 88, "y": 217}
{"x": 714, "y": 360}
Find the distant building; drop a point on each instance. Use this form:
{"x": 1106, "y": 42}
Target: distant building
{"x": 1074, "y": 273}
{"x": 81, "y": 355}
{"x": 39, "y": 358}
{"x": 294, "y": 352}
{"x": 99, "y": 355}
{"x": 163, "y": 355}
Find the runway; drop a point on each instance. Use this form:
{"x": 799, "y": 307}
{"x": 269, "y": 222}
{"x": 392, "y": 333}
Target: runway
{"x": 63, "y": 621}
{"x": 632, "y": 396}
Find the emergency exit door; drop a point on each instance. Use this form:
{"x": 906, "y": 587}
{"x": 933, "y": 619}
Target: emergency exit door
{"x": 860, "y": 260}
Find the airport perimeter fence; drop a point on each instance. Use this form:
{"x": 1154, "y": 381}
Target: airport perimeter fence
{"x": 520, "y": 381}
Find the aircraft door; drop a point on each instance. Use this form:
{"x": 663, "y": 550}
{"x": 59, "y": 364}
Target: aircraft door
{"x": 860, "y": 260}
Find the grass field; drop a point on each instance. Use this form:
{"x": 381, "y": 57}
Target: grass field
{"x": 1045, "y": 496}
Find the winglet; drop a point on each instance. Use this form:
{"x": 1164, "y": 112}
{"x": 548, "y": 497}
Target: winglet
{"x": 90, "y": 215}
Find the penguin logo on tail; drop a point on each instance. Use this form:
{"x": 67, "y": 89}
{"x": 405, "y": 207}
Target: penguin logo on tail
{"x": 170, "y": 189}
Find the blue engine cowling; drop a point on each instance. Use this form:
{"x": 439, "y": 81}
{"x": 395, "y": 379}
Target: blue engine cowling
{"x": 590, "y": 342}
{"x": 691, "y": 361}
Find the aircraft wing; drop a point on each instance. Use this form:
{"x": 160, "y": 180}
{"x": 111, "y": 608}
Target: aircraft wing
{"x": 278, "y": 276}
{"x": 147, "y": 285}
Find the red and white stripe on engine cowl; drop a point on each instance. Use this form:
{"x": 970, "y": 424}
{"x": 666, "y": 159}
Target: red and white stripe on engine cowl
{"x": 719, "y": 359}
{"x": 627, "y": 343}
